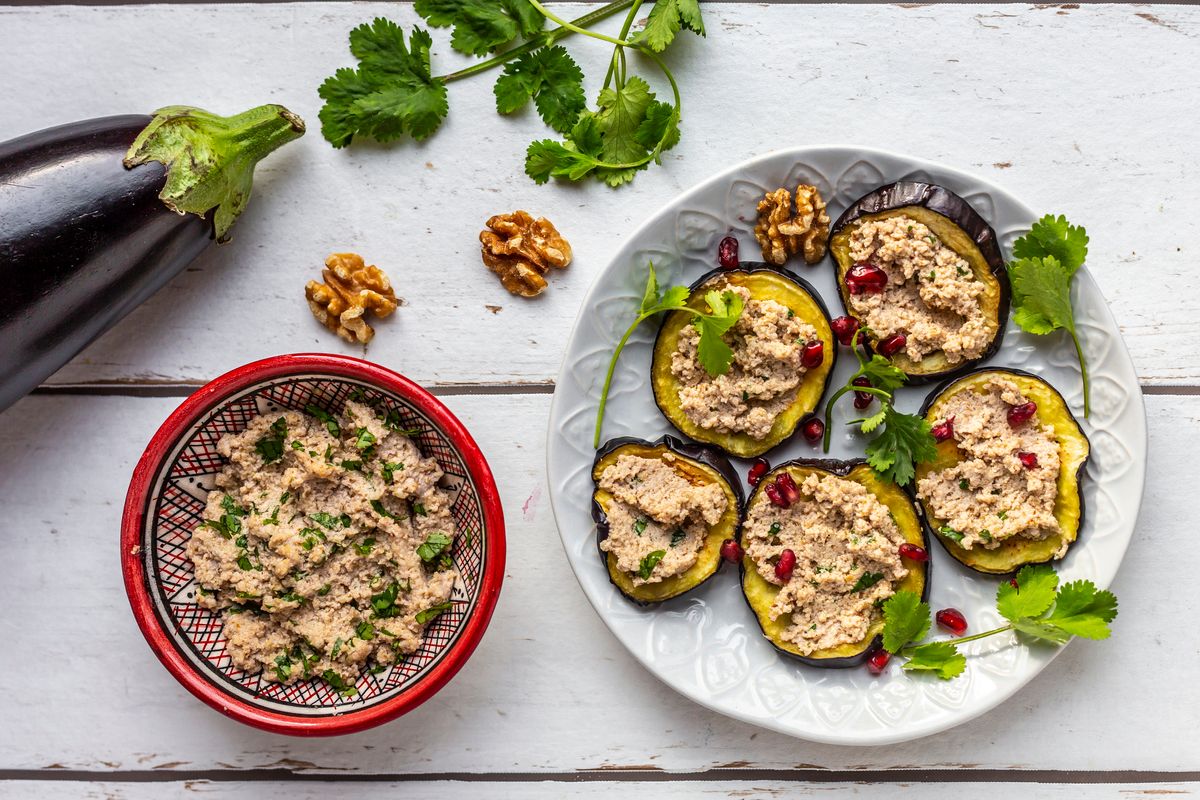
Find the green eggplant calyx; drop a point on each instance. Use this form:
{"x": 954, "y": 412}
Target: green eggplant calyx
{"x": 210, "y": 159}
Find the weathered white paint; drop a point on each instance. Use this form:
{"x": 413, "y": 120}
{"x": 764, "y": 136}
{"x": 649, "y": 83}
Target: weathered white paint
{"x": 453, "y": 790}
{"x": 1083, "y": 111}
{"x": 548, "y": 689}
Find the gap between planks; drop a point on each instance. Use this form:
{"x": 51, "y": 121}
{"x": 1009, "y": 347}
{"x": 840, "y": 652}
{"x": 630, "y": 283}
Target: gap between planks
{"x": 941, "y": 775}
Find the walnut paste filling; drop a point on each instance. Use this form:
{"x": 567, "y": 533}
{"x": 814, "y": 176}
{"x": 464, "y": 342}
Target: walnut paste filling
{"x": 991, "y": 495}
{"x": 657, "y": 519}
{"x": 847, "y": 560}
{"x": 325, "y": 545}
{"x": 762, "y": 381}
{"x": 932, "y": 295}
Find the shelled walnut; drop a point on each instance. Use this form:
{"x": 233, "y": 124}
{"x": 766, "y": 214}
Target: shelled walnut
{"x": 784, "y": 230}
{"x": 521, "y": 250}
{"x": 350, "y": 290}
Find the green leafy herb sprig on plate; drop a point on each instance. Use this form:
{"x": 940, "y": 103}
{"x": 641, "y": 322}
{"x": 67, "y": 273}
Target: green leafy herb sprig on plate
{"x": 904, "y": 440}
{"x": 1044, "y": 261}
{"x": 1036, "y": 607}
{"x": 714, "y": 354}
{"x": 394, "y": 92}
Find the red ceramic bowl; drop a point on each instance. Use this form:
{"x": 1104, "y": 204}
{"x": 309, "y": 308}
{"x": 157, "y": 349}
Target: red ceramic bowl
{"x": 167, "y": 496}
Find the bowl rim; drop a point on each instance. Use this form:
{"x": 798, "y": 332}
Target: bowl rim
{"x": 209, "y": 397}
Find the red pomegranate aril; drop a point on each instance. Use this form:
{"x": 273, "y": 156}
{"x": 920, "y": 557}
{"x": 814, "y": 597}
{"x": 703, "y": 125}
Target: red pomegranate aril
{"x": 787, "y": 488}
{"x": 878, "y": 662}
{"x": 813, "y": 430}
{"x": 731, "y": 551}
{"x": 913, "y": 552}
{"x": 844, "y": 329}
{"x": 1019, "y": 415}
{"x": 1028, "y": 460}
{"x": 812, "y": 355}
{"x": 757, "y": 470}
{"x": 865, "y": 277}
{"x": 943, "y": 430}
{"x": 952, "y": 620}
{"x": 891, "y": 345}
{"x": 1013, "y": 583}
{"x": 727, "y": 253}
{"x": 773, "y": 495}
{"x": 785, "y": 566}
{"x": 862, "y": 399}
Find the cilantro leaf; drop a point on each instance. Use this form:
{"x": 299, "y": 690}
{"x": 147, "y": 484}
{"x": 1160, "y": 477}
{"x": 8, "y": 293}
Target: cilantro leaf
{"x": 1040, "y": 629}
{"x": 1083, "y": 610}
{"x": 905, "y": 619}
{"x": 883, "y": 374}
{"x": 906, "y": 439}
{"x": 942, "y": 658}
{"x": 1042, "y": 294}
{"x": 619, "y": 114}
{"x": 433, "y": 612}
{"x": 1055, "y": 237}
{"x": 866, "y": 581}
{"x": 481, "y": 26}
{"x": 1037, "y": 584}
{"x": 712, "y": 351}
{"x": 391, "y": 93}
{"x": 666, "y": 19}
{"x": 551, "y": 78}
{"x": 868, "y": 424}
{"x": 649, "y": 562}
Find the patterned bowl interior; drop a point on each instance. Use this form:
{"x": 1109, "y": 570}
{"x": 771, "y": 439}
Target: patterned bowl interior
{"x": 177, "y": 500}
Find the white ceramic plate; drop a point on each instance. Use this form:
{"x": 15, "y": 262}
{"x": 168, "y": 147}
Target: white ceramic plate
{"x": 707, "y": 644}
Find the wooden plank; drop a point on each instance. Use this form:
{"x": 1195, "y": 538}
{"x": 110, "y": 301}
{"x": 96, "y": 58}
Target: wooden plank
{"x": 549, "y": 689}
{"x": 47, "y": 790}
{"x": 985, "y": 90}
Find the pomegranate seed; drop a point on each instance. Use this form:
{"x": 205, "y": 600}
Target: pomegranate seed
{"x": 891, "y": 345}
{"x": 812, "y": 355}
{"x": 878, "y": 662}
{"x": 913, "y": 552}
{"x": 814, "y": 430}
{"x": 787, "y": 488}
{"x": 1019, "y": 415}
{"x": 862, "y": 399}
{"x": 757, "y": 470}
{"x": 865, "y": 277}
{"x": 1028, "y": 460}
{"x": 731, "y": 551}
{"x": 952, "y": 620}
{"x": 844, "y": 329}
{"x": 773, "y": 495}
{"x": 1013, "y": 583}
{"x": 727, "y": 253}
{"x": 944, "y": 430}
{"x": 785, "y": 566}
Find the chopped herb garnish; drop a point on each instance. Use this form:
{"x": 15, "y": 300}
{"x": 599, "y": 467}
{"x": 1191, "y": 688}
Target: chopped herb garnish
{"x": 363, "y": 438}
{"x": 433, "y": 546}
{"x": 950, "y": 533}
{"x": 243, "y": 562}
{"x": 271, "y": 447}
{"x": 364, "y": 547}
{"x": 322, "y": 415}
{"x": 273, "y": 519}
{"x": 433, "y": 611}
{"x": 639, "y": 525}
{"x": 283, "y": 498}
{"x": 866, "y": 581}
{"x": 365, "y": 631}
{"x": 352, "y": 464}
{"x": 985, "y": 535}
{"x": 283, "y": 667}
{"x": 774, "y": 529}
{"x": 419, "y": 509}
{"x": 378, "y": 508}
{"x": 384, "y": 603}
{"x": 964, "y": 484}
{"x": 677, "y": 536}
{"x": 339, "y": 685}
{"x": 649, "y": 562}
{"x": 1002, "y": 514}
{"x": 388, "y": 468}
{"x": 324, "y": 590}
{"x": 325, "y": 520}
{"x": 297, "y": 444}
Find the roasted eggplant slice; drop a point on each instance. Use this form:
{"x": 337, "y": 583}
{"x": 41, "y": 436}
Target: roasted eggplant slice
{"x": 760, "y": 593}
{"x": 699, "y": 465}
{"x": 764, "y": 283}
{"x": 959, "y": 227}
{"x": 1073, "y": 448}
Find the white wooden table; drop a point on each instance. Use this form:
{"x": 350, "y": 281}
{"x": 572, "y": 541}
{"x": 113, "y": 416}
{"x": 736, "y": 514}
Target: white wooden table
{"x": 1090, "y": 111}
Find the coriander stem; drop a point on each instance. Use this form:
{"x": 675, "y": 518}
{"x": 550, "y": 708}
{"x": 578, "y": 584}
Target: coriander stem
{"x": 620, "y": 51}
{"x": 546, "y": 38}
{"x": 571, "y": 26}
{"x": 1087, "y": 393}
{"x": 612, "y": 366}
{"x": 964, "y": 639}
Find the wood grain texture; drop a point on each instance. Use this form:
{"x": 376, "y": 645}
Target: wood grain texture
{"x": 549, "y": 689}
{"x": 450, "y": 790}
{"x": 1079, "y": 110}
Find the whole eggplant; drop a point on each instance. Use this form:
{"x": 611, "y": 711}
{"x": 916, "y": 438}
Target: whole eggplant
{"x": 96, "y": 216}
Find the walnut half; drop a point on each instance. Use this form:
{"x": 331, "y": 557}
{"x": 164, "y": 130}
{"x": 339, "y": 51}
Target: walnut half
{"x": 782, "y": 231}
{"x": 350, "y": 290}
{"x": 521, "y": 250}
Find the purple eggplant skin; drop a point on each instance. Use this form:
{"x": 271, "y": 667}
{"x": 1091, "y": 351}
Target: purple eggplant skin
{"x": 83, "y": 240}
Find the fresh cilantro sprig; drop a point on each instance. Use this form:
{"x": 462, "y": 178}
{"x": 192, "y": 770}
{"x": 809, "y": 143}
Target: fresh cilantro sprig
{"x": 1044, "y": 261}
{"x": 393, "y": 91}
{"x": 1037, "y": 609}
{"x": 713, "y": 353}
{"x": 904, "y": 440}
